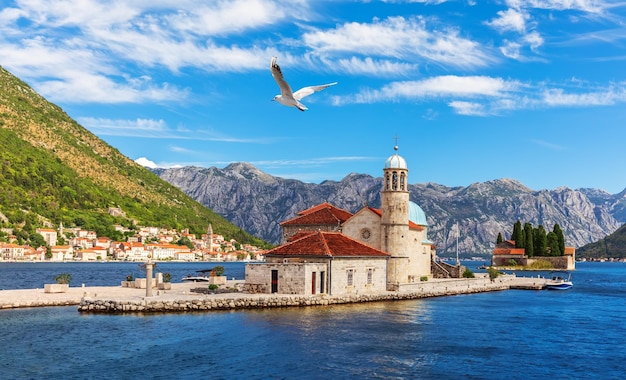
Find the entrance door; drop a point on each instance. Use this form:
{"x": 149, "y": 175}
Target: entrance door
{"x": 274, "y": 281}
{"x": 313, "y": 283}
{"x": 322, "y": 282}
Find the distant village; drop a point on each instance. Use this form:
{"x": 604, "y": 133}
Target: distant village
{"x": 148, "y": 243}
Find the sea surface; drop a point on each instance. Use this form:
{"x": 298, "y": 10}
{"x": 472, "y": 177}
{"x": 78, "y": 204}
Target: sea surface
{"x": 516, "y": 334}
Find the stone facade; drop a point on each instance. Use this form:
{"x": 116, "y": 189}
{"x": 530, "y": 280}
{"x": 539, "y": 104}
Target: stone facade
{"x": 311, "y": 276}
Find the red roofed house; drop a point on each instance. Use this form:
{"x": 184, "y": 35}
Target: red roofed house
{"x": 304, "y": 266}
{"x": 505, "y": 253}
{"x": 329, "y": 250}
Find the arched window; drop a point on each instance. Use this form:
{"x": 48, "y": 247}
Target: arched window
{"x": 402, "y": 180}
{"x": 394, "y": 181}
{"x": 387, "y": 182}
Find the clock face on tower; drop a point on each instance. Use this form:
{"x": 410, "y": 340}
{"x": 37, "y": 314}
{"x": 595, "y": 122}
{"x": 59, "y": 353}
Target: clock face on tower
{"x": 366, "y": 234}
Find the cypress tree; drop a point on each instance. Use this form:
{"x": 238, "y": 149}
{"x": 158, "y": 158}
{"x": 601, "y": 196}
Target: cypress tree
{"x": 541, "y": 242}
{"x": 529, "y": 243}
{"x": 517, "y": 234}
{"x": 499, "y": 239}
{"x": 560, "y": 238}
{"x": 553, "y": 244}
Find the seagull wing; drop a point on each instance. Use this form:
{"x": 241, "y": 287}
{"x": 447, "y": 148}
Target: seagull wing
{"x": 285, "y": 90}
{"x": 306, "y": 91}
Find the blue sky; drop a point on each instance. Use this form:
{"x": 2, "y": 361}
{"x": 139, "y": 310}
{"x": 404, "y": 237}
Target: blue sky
{"x": 474, "y": 90}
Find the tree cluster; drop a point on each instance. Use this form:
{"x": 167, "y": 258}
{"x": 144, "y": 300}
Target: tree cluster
{"x": 536, "y": 241}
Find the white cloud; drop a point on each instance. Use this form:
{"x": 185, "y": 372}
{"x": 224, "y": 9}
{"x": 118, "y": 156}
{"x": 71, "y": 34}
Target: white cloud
{"x": 558, "y": 97}
{"x": 399, "y": 37}
{"x": 369, "y": 66}
{"x": 509, "y": 20}
{"x": 441, "y": 86}
{"x": 468, "y": 108}
{"x": 158, "y": 129}
{"x": 589, "y": 6}
{"x": 143, "y": 161}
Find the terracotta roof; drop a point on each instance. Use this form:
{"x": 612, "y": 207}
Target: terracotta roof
{"x": 509, "y": 251}
{"x": 319, "y": 215}
{"x": 323, "y": 243}
{"x": 569, "y": 250}
{"x": 325, "y": 205}
{"x": 299, "y": 235}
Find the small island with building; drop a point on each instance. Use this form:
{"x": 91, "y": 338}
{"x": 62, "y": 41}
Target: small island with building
{"x": 531, "y": 248}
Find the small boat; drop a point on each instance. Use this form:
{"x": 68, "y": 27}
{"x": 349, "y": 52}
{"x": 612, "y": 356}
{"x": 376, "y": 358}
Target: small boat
{"x": 202, "y": 276}
{"x": 559, "y": 281}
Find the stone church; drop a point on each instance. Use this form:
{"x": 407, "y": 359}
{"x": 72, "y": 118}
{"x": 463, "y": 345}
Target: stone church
{"x": 329, "y": 250}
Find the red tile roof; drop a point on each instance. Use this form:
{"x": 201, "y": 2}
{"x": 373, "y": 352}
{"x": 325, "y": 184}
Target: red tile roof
{"x": 509, "y": 251}
{"x": 323, "y": 243}
{"x": 324, "y": 205}
{"x": 299, "y": 235}
{"x": 324, "y": 213}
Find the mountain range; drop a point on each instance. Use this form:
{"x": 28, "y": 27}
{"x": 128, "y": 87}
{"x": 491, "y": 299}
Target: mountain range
{"x": 258, "y": 202}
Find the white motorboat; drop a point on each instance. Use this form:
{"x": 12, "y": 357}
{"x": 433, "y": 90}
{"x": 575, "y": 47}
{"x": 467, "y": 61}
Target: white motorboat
{"x": 559, "y": 281}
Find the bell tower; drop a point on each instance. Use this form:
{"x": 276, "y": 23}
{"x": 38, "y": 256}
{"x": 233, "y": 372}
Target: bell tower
{"x": 395, "y": 219}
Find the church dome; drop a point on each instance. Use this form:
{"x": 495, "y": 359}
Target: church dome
{"x": 395, "y": 162}
{"x": 417, "y": 215}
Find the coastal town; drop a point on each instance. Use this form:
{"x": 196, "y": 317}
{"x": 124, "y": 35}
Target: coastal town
{"x": 153, "y": 243}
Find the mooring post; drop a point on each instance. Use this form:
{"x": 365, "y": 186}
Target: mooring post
{"x": 149, "y": 266}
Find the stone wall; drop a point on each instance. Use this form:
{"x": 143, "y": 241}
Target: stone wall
{"x": 417, "y": 291}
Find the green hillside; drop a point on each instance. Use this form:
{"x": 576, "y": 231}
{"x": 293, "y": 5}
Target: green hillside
{"x": 612, "y": 246}
{"x": 53, "y": 170}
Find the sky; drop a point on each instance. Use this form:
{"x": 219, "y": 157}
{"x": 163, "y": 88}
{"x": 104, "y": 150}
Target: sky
{"x": 469, "y": 91}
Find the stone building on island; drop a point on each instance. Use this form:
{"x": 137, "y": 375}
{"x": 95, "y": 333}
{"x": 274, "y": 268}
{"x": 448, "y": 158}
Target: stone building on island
{"x": 330, "y": 250}
{"x": 505, "y": 254}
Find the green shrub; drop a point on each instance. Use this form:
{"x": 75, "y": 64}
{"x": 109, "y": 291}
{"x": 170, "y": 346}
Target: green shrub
{"x": 424, "y": 278}
{"x": 63, "y": 278}
{"x": 511, "y": 263}
{"x": 468, "y": 273}
{"x": 218, "y": 270}
{"x": 493, "y": 273}
{"x": 167, "y": 277}
{"x": 213, "y": 287}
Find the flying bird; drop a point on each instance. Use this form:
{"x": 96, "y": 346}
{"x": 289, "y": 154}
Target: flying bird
{"x": 288, "y": 98}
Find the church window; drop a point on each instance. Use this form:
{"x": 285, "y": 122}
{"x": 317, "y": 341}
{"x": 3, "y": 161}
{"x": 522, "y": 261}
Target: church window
{"x": 387, "y": 182}
{"x": 350, "y": 277}
{"x": 370, "y": 275}
{"x": 394, "y": 181}
{"x": 402, "y": 181}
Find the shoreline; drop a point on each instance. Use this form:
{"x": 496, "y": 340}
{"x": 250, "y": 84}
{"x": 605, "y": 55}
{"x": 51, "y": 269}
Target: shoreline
{"x": 117, "y": 299}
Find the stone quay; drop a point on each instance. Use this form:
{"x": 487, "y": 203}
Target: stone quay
{"x": 183, "y": 298}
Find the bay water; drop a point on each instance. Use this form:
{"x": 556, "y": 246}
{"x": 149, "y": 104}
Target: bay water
{"x": 516, "y": 334}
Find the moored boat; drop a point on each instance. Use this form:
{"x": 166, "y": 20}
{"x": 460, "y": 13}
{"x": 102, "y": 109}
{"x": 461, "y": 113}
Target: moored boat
{"x": 559, "y": 281}
{"x": 202, "y": 276}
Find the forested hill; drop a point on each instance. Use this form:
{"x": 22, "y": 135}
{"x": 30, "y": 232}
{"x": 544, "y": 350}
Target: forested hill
{"x": 612, "y": 246}
{"x": 53, "y": 170}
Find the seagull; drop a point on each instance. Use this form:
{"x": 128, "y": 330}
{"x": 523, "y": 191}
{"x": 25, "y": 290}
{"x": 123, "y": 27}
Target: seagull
{"x": 286, "y": 97}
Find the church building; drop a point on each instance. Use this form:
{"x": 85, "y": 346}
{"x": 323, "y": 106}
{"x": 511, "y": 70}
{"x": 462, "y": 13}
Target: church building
{"x": 330, "y": 250}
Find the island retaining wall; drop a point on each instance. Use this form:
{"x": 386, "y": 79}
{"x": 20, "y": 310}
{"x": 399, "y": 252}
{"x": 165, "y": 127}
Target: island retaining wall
{"x": 256, "y": 301}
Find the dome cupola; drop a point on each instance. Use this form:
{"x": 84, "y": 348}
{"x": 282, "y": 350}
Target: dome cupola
{"x": 396, "y": 161}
